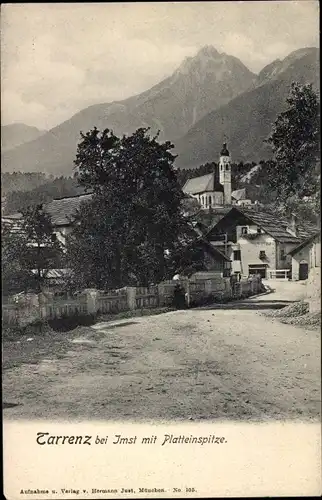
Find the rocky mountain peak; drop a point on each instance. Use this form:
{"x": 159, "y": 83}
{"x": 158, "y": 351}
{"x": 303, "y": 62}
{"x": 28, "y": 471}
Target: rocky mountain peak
{"x": 209, "y": 60}
{"x": 208, "y": 51}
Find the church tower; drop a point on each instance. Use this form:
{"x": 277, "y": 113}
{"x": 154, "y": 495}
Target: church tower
{"x": 225, "y": 173}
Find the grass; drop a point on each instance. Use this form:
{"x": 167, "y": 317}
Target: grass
{"x": 31, "y": 344}
{"x": 134, "y": 314}
{"x": 70, "y": 323}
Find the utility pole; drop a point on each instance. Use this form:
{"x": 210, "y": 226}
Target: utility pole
{"x": 225, "y": 241}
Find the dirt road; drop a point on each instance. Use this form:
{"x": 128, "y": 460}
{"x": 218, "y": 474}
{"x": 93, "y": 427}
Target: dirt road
{"x": 230, "y": 362}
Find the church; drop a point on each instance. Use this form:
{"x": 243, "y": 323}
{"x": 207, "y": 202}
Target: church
{"x": 214, "y": 189}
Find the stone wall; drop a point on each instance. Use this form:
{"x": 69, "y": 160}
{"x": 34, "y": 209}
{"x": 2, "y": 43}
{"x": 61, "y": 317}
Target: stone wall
{"x": 313, "y": 290}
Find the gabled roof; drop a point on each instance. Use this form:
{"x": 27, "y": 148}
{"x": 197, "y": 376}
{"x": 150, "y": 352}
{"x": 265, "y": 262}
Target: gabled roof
{"x": 304, "y": 243}
{"x": 210, "y": 248}
{"x": 204, "y": 183}
{"x": 62, "y": 210}
{"x": 247, "y": 192}
{"x": 209, "y": 218}
{"x": 271, "y": 224}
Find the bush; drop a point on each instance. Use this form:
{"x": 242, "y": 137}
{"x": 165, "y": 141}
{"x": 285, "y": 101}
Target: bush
{"x": 70, "y": 322}
{"x": 13, "y": 332}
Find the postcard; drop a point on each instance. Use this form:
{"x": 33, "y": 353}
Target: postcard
{"x": 161, "y": 250}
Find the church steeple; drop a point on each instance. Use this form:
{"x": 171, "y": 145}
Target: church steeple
{"x": 225, "y": 173}
{"x": 224, "y": 151}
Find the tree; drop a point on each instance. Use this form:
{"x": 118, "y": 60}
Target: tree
{"x": 295, "y": 143}
{"x": 60, "y": 187}
{"x": 41, "y": 250}
{"x": 123, "y": 234}
{"x": 15, "y": 278}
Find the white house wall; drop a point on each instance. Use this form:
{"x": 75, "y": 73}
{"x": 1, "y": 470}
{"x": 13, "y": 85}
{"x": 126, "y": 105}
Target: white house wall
{"x": 315, "y": 253}
{"x": 284, "y": 248}
{"x": 250, "y": 252}
{"x": 303, "y": 256}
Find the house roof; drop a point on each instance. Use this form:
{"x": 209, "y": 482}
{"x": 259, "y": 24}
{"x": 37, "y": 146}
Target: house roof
{"x": 202, "y": 184}
{"x": 272, "y": 224}
{"x": 210, "y": 248}
{"x": 247, "y": 192}
{"x": 239, "y": 194}
{"x": 61, "y": 210}
{"x": 216, "y": 251}
{"x": 11, "y": 218}
{"x": 304, "y": 243}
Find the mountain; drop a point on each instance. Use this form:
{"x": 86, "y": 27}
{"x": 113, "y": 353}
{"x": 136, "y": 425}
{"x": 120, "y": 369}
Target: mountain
{"x": 18, "y": 133}
{"x": 247, "y": 119}
{"x": 202, "y": 83}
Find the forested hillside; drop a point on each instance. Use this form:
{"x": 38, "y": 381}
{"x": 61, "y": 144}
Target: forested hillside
{"x": 19, "y": 199}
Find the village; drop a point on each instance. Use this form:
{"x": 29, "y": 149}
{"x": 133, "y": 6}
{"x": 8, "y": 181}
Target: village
{"x": 249, "y": 264}
{"x": 243, "y": 240}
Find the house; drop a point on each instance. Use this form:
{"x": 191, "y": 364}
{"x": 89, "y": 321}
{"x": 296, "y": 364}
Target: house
{"x": 214, "y": 190}
{"x": 62, "y": 212}
{"x": 244, "y": 196}
{"x": 306, "y": 256}
{"x": 258, "y": 242}
{"x": 209, "y": 261}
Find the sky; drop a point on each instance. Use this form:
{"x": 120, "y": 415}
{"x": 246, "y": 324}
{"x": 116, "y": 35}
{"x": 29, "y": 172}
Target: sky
{"x": 57, "y": 59}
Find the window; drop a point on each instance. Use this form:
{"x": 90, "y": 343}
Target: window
{"x": 227, "y": 167}
{"x": 210, "y": 201}
{"x": 283, "y": 256}
{"x": 244, "y": 230}
{"x": 237, "y": 255}
{"x": 262, "y": 254}
{"x": 257, "y": 269}
{"x": 259, "y": 231}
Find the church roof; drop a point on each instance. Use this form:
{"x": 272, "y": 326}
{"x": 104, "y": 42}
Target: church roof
{"x": 202, "y": 184}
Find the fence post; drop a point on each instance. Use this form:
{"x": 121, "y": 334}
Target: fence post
{"x": 188, "y": 293}
{"x": 41, "y": 301}
{"x": 91, "y": 300}
{"x": 131, "y": 297}
{"x": 160, "y": 294}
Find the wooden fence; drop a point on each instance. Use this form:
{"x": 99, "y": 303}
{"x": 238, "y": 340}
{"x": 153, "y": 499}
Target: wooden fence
{"x": 112, "y": 302}
{"x": 93, "y": 302}
{"x": 146, "y": 297}
{"x": 61, "y": 308}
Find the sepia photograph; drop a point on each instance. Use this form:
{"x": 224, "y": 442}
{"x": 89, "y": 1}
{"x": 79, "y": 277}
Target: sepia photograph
{"x": 161, "y": 249}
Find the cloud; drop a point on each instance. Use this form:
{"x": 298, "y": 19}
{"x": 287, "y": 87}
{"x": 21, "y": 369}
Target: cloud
{"x": 60, "y": 58}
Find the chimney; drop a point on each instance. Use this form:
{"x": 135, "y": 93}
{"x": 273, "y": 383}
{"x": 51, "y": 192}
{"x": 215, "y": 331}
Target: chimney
{"x": 292, "y": 225}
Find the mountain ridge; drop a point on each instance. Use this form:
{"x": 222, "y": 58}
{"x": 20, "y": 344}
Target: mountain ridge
{"x": 247, "y": 119}
{"x": 172, "y": 106}
{"x": 207, "y": 97}
{"x": 15, "y": 134}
